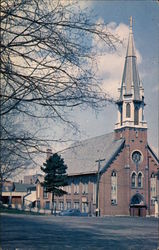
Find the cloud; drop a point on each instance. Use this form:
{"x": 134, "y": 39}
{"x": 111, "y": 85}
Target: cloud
{"x": 84, "y": 4}
{"x": 111, "y": 64}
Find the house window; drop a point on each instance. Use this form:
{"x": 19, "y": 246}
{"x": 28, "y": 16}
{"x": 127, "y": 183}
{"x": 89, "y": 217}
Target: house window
{"x": 153, "y": 185}
{"x": 128, "y": 110}
{"x": 136, "y": 116}
{"x": 85, "y": 188}
{"x": 84, "y": 207}
{"x": 140, "y": 182}
{"x": 76, "y": 204}
{"x": 133, "y": 180}
{"x": 61, "y": 205}
{"x": 47, "y": 205}
{"x": 68, "y": 204}
{"x": 114, "y": 188}
{"x": 45, "y": 194}
{"x": 76, "y": 188}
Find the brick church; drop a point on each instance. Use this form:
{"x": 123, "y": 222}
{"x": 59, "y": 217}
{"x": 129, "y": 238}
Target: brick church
{"x": 113, "y": 174}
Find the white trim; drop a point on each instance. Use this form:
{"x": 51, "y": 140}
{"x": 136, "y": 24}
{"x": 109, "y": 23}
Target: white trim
{"x": 14, "y": 193}
{"x": 134, "y": 172}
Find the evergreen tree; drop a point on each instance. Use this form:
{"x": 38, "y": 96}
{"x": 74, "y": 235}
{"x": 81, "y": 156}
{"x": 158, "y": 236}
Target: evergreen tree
{"x": 55, "y": 176}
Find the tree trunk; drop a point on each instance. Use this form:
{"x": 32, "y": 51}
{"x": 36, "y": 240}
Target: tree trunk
{"x": 1, "y": 181}
{"x": 52, "y": 209}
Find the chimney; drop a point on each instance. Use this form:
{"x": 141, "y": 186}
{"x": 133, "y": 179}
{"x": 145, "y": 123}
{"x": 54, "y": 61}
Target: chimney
{"x": 48, "y": 153}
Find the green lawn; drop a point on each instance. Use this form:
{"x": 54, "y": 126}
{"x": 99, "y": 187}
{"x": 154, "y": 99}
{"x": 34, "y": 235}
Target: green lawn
{"x": 4, "y": 209}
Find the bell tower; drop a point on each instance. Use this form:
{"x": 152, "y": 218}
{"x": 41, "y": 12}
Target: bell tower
{"x": 131, "y": 98}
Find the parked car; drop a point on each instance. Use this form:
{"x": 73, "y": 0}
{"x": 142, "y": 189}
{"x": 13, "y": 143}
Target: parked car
{"x": 72, "y": 212}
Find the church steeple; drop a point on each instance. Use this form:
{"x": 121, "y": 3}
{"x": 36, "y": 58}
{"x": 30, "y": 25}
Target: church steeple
{"x": 131, "y": 100}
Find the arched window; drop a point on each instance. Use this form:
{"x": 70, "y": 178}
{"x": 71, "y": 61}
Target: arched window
{"x": 153, "y": 185}
{"x": 76, "y": 186}
{"x": 85, "y": 188}
{"x": 140, "y": 182}
{"x": 136, "y": 116}
{"x": 142, "y": 113}
{"x": 113, "y": 173}
{"x": 114, "y": 188}
{"x": 128, "y": 114}
{"x": 133, "y": 180}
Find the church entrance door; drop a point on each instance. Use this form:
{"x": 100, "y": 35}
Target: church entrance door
{"x": 138, "y": 211}
{"x": 137, "y": 206}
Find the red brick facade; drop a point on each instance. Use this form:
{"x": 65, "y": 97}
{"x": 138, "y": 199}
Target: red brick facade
{"x": 135, "y": 139}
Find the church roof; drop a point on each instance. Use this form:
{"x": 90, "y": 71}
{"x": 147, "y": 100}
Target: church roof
{"x": 81, "y": 157}
{"x": 130, "y": 75}
{"x": 153, "y": 153}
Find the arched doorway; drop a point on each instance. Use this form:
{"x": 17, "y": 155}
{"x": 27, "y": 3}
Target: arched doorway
{"x": 137, "y": 206}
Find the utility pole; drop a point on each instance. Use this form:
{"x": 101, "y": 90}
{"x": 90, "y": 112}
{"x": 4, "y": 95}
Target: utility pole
{"x": 97, "y": 187}
{"x": 158, "y": 203}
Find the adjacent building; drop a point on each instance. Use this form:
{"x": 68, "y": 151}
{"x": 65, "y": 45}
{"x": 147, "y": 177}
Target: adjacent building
{"x": 18, "y": 194}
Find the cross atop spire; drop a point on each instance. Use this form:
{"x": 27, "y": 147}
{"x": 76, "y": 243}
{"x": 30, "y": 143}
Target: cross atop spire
{"x": 131, "y": 22}
{"x": 131, "y": 47}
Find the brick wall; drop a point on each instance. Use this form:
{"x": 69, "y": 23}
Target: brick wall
{"x": 72, "y": 197}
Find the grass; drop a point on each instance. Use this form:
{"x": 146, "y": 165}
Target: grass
{"x": 4, "y": 209}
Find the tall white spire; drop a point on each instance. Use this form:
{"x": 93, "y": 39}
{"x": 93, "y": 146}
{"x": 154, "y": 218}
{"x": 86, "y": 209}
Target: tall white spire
{"x": 130, "y": 80}
{"x": 131, "y": 100}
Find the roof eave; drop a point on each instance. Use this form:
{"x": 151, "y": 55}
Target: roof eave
{"x": 118, "y": 102}
{"x": 137, "y": 101}
{"x": 154, "y": 155}
{"x": 82, "y": 173}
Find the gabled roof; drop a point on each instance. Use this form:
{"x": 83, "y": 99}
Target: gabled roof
{"x": 21, "y": 187}
{"x": 81, "y": 157}
{"x": 39, "y": 179}
{"x": 17, "y": 187}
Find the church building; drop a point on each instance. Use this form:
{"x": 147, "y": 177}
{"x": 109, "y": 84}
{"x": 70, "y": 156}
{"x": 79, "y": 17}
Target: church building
{"x": 115, "y": 173}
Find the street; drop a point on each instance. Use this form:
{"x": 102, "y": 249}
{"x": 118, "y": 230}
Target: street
{"x": 48, "y": 232}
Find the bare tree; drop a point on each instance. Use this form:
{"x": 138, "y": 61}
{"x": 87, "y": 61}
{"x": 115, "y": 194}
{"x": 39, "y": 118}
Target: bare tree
{"x": 47, "y": 68}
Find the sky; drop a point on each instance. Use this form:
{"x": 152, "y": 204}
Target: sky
{"x": 116, "y": 15}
